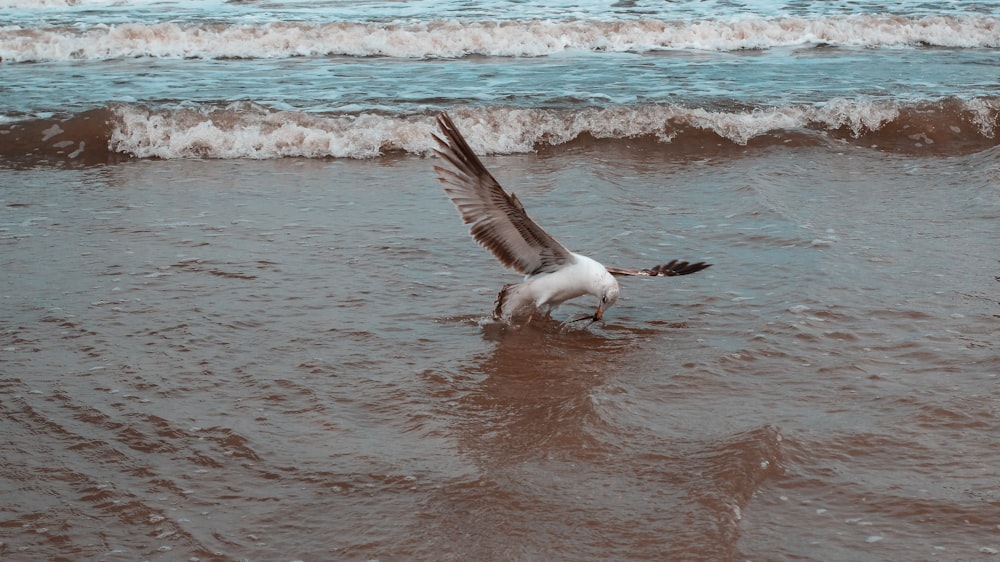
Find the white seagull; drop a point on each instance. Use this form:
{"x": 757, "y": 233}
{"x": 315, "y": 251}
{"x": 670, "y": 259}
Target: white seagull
{"x": 553, "y": 274}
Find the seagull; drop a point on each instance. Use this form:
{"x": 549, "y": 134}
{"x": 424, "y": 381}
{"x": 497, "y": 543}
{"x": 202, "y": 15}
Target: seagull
{"x": 553, "y": 274}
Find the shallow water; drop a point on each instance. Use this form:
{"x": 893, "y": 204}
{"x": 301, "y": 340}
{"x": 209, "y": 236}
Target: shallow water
{"x": 291, "y": 359}
{"x": 284, "y": 352}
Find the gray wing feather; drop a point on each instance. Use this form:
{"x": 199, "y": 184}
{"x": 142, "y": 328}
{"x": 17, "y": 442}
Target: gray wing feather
{"x": 499, "y": 221}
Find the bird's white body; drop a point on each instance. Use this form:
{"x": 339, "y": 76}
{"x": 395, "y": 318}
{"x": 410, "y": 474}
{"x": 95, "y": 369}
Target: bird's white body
{"x": 543, "y": 292}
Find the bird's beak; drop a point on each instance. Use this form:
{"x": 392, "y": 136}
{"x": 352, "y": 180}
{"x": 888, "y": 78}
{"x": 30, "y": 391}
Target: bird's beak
{"x": 593, "y": 318}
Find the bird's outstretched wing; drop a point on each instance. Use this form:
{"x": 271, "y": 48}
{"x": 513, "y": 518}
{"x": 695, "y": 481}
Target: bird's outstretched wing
{"x": 498, "y": 219}
{"x": 671, "y": 269}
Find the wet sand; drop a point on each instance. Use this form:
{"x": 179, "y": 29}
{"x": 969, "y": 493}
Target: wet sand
{"x": 292, "y": 359}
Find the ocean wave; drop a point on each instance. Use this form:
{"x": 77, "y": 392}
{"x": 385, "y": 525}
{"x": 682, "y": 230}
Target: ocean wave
{"x": 249, "y": 130}
{"x": 458, "y": 38}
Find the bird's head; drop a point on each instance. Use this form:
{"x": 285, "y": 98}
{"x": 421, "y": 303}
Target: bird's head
{"x": 608, "y": 294}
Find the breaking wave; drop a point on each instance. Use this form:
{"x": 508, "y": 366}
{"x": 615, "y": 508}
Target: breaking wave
{"x": 457, "y": 38}
{"x": 248, "y": 130}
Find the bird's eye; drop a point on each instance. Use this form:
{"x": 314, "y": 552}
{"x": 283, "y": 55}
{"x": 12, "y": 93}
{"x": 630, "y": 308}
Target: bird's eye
{"x": 604, "y": 298}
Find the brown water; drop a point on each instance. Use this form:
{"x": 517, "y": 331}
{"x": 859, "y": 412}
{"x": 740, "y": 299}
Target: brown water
{"x": 291, "y": 359}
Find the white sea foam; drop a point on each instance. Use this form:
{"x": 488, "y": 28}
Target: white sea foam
{"x": 245, "y": 130}
{"x": 984, "y": 115}
{"x": 456, "y": 38}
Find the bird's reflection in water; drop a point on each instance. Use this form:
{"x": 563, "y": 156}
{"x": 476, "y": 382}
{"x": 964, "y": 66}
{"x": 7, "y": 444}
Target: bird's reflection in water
{"x": 532, "y": 395}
